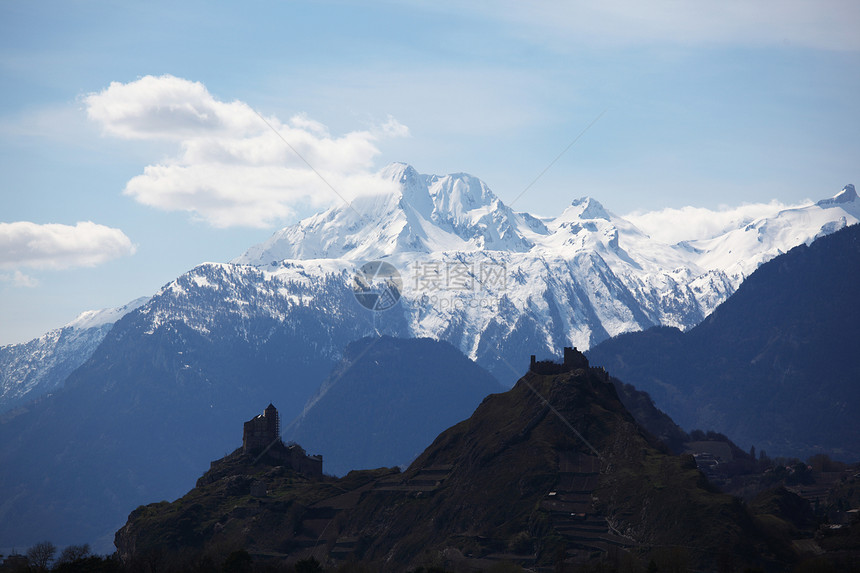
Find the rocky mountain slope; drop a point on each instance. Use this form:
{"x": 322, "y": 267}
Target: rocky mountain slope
{"x": 40, "y": 366}
{"x": 774, "y": 366}
{"x": 552, "y": 472}
{"x": 388, "y": 398}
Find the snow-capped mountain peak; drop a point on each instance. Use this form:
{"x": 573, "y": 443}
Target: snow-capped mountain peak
{"x": 40, "y": 366}
{"x": 427, "y": 214}
{"x": 96, "y": 318}
{"x": 581, "y": 276}
{"x": 412, "y": 187}
{"x": 458, "y": 194}
{"x": 483, "y": 277}
{"x": 847, "y": 195}
{"x": 586, "y": 208}
{"x": 459, "y": 213}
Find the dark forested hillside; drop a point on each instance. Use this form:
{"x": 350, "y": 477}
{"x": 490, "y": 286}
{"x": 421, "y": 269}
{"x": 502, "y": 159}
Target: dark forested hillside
{"x": 775, "y": 366}
{"x": 387, "y": 399}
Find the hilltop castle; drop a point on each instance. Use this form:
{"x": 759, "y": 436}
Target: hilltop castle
{"x": 261, "y": 431}
{"x": 261, "y": 436}
{"x": 573, "y": 360}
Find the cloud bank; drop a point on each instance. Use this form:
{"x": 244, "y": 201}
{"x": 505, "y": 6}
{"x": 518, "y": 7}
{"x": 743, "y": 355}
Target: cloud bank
{"x": 53, "y": 246}
{"x": 672, "y": 225}
{"x": 233, "y": 167}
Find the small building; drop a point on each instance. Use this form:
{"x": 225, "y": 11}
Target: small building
{"x": 302, "y": 462}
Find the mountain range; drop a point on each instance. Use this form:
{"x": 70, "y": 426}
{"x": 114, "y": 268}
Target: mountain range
{"x": 491, "y": 280}
{"x": 474, "y": 272}
{"x": 150, "y": 398}
{"x": 775, "y": 366}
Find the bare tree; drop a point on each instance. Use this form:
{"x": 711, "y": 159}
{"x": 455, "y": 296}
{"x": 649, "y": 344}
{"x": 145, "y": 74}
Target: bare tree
{"x": 41, "y": 555}
{"x": 74, "y": 553}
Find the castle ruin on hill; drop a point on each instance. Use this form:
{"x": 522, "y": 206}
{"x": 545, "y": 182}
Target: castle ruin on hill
{"x": 573, "y": 359}
{"x": 261, "y": 436}
{"x": 261, "y": 431}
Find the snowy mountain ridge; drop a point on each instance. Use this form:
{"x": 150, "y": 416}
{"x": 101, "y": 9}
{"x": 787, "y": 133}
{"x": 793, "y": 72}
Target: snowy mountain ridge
{"x": 458, "y": 216}
{"x": 494, "y": 282}
{"x": 459, "y": 213}
{"x": 577, "y": 278}
{"x": 40, "y": 366}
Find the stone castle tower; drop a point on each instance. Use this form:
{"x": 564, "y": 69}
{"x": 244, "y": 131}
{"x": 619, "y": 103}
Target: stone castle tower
{"x": 262, "y": 436}
{"x": 261, "y": 431}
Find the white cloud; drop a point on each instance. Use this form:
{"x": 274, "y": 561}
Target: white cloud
{"x": 166, "y": 107}
{"x": 231, "y": 168}
{"x": 673, "y": 225}
{"x": 53, "y": 246}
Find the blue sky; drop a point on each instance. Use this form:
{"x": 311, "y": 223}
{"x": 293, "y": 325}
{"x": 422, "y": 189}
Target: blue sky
{"x": 131, "y": 149}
